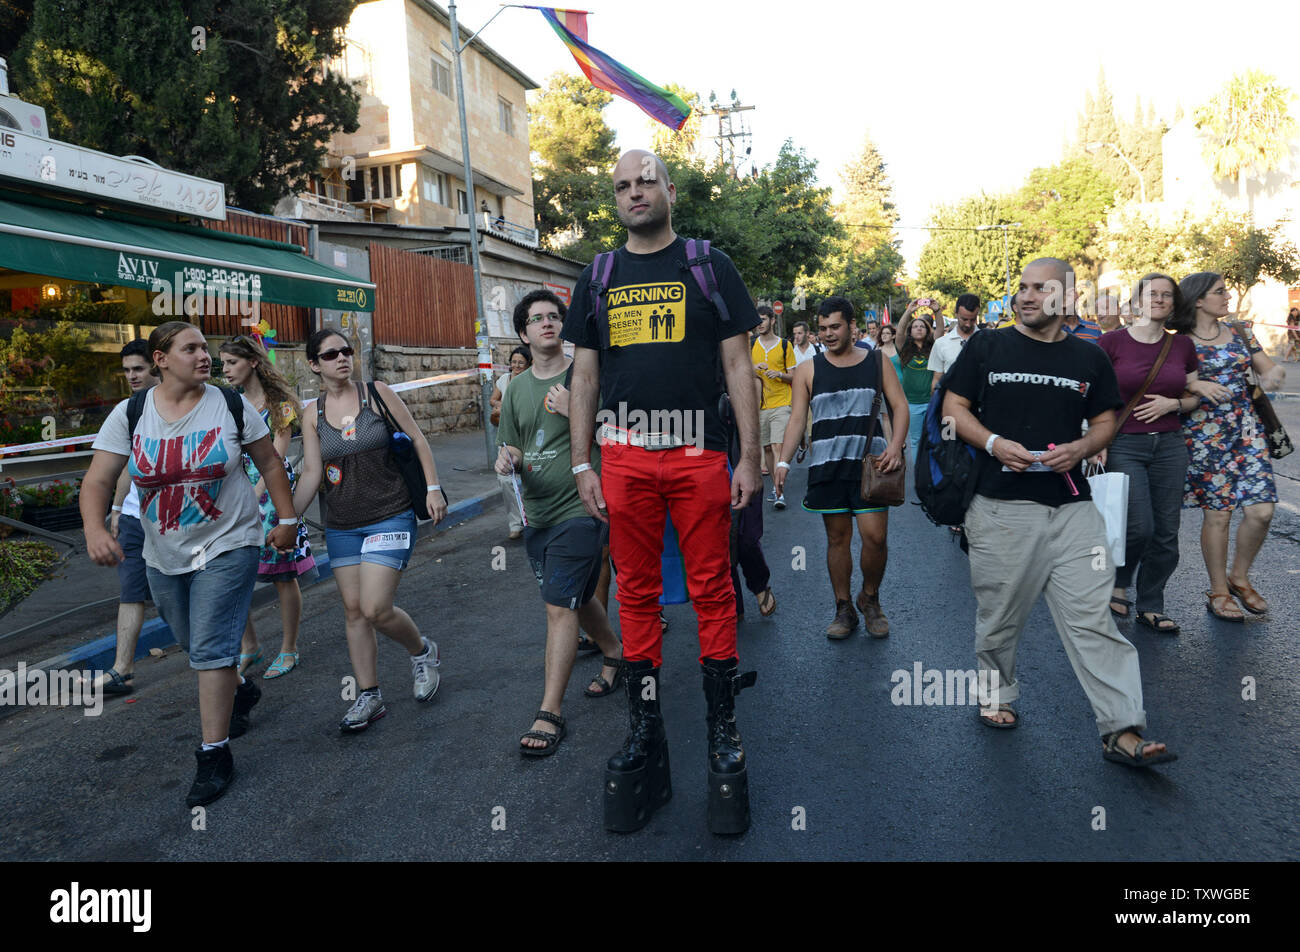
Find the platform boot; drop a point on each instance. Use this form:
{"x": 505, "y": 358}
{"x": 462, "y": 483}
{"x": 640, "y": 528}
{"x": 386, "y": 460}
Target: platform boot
{"x": 728, "y": 770}
{"x": 637, "y": 780}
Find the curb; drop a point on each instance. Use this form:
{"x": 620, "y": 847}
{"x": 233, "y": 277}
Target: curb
{"x": 98, "y": 655}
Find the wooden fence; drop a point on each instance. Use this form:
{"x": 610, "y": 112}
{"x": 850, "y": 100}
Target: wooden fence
{"x": 290, "y": 322}
{"x": 420, "y": 300}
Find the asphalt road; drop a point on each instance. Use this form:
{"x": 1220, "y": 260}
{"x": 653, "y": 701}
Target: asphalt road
{"x": 874, "y": 780}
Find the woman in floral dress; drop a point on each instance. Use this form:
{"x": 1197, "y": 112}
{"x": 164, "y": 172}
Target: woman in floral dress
{"x": 245, "y": 364}
{"x": 1230, "y": 466}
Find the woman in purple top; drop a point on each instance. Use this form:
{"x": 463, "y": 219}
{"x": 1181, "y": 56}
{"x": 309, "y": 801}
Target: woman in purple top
{"x": 1150, "y": 448}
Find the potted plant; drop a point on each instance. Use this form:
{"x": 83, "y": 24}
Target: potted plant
{"x": 52, "y": 506}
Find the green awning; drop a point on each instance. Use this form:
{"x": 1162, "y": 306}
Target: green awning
{"x": 182, "y": 260}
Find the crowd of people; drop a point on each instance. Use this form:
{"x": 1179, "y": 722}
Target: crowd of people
{"x": 204, "y": 504}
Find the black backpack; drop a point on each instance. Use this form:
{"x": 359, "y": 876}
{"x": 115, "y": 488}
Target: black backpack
{"x": 946, "y": 468}
{"x": 135, "y": 407}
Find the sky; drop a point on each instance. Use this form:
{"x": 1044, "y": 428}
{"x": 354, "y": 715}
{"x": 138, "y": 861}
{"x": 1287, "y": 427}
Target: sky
{"x": 959, "y": 97}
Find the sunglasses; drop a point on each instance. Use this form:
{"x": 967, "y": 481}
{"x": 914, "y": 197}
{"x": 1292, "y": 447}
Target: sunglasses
{"x": 334, "y": 352}
{"x": 553, "y": 317}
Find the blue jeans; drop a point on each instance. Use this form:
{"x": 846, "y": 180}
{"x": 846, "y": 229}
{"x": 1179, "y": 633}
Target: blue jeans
{"x": 206, "y": 609}
{"x": 1156, "y": 464}
{"x": 915, "y": 423}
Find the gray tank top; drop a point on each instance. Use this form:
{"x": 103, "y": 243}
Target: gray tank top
{"x": 361, "y": 484}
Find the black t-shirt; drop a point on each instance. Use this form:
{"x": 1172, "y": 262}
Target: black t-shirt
{"x": 1035, "y": 393}
{"x": 664, "y": 337}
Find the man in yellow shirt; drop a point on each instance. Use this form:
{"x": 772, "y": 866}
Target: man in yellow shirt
{"x": 774, "y": 363}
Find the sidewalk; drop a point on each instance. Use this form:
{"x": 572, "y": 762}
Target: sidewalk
{"x": 62, "y": 613}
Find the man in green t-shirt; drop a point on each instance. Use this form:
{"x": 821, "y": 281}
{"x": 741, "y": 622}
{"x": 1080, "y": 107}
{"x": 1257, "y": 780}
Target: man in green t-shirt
{"x": 564, "y": 544}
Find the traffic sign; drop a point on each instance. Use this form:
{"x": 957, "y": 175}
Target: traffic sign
{"x": 777, "y": 308}
{"x": 870, "y": 314}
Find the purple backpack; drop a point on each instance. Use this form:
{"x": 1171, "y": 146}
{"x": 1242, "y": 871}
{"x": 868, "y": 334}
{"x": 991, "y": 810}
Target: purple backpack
{"x": 697, "y": 259}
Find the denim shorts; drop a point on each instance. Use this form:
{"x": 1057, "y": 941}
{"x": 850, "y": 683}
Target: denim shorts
{"x": 130, "y": 571}
{"x": 206, "y": 609}
{"x": 389, "y": 542}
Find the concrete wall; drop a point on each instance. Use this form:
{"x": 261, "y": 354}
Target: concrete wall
{"x": 438, "y": 408}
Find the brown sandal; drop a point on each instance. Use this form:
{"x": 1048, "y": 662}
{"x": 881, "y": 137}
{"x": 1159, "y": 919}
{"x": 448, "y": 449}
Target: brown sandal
{"x": 1250, "y": 599}
{"x": 1217, "y": 604}
{"x": 766, "y": 602}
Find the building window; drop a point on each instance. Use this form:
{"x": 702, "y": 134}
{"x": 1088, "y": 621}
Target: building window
{"x": 462, "y": 201}
{"x": 507, "y": 117}
{"x": 441, "y": 75}
{"x": 434, "y": 188}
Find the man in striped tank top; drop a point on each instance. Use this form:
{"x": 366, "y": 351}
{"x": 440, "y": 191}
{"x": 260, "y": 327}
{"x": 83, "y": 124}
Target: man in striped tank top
{"x": 840, "y": 386}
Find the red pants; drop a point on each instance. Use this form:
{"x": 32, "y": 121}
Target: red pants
{"x": 640, "y": 486}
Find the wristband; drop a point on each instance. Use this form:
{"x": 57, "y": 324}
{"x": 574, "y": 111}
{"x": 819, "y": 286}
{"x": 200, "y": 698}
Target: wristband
{"x": 988, "y": 447}
{"x": 432, "y": 489}
{"x": 117, "y": 508}
{"x": 782, "y": 465}
{"x": 580, "y": 468}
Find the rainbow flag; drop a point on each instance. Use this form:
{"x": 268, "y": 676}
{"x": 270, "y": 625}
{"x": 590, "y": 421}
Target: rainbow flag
{"x": 609, "y": 74}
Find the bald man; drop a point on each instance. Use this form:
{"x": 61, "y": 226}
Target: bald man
{"x": 1020, "y": 395}
{"x": 649, "y": 343}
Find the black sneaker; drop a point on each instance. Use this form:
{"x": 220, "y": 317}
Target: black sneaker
{"x": 216, "y": 770}
{"x": 246, "y": 695}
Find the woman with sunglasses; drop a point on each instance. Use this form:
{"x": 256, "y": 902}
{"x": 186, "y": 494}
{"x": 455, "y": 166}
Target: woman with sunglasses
{"x": 369, "y": 522}
{"x": 246, "y": 365}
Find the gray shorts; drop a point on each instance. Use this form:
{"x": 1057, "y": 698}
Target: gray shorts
{"x": 565, "y": 559}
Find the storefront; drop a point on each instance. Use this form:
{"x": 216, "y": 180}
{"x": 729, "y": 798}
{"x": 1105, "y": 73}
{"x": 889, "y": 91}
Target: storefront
{"x": 97, "y": 250}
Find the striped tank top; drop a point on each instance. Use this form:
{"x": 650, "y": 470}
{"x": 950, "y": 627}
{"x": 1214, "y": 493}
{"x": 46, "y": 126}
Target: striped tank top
{"x": 841, "y": 403}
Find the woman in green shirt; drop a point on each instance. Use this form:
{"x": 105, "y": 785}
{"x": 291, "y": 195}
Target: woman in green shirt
{"x": 914, "y": 359}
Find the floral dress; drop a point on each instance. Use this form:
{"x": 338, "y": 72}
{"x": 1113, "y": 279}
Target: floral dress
{"x": 1229, "y": 464}
{"x": 273, "y": 565}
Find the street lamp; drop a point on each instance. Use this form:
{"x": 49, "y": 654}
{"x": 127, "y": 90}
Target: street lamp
{"x": 1006, "y": 246}
{"x": 1092, "y": 147}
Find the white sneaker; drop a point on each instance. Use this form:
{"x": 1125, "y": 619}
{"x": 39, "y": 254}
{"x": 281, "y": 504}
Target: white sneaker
{"x": 424, "y": 668}
{"x": 367, "y": 709}
{"x": 780, "y": 501}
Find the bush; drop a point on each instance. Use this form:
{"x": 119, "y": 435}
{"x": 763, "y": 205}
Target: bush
{"x": 53, "y": 494}
{"x": 23, "y": 566}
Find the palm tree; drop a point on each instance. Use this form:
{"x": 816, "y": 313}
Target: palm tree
{"x": 1248, "y": 129}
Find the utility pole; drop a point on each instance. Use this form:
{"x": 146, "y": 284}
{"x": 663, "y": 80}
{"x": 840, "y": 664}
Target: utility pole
{"x": 1006, "y": 247}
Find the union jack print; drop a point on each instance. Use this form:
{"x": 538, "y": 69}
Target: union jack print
{"x": 180, "y": 478}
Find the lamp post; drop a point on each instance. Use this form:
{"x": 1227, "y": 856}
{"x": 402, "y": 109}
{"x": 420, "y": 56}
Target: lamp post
{"x": 1006, "y": 247}
{"x": 1092, "y": 147}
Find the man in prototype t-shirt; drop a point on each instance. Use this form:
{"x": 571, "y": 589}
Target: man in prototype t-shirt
{"x": 1020, "y": 395}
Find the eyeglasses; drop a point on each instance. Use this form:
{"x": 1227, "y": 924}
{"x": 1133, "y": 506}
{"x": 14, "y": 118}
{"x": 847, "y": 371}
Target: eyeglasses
{"x": 332, "y": 353}
{"x": 554, "y": 317}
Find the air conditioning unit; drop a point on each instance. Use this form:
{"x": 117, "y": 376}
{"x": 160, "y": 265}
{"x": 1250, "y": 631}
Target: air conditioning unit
{"x": 23, "y": 116}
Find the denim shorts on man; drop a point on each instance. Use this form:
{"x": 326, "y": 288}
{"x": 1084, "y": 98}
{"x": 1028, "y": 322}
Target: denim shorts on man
{"x": 389, "y": 542}
{"x": 130, "y": 571}
{"x": 206, "y": 608}
{"x": 565, "y": 559}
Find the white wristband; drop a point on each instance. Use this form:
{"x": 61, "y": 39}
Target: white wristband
{"x": 988, "y": 447}
{"x": 432, "y": 489}
{"x": 117, "y": 508}
{"x": 580, "y": 468}
{"x": 782, "y": 465}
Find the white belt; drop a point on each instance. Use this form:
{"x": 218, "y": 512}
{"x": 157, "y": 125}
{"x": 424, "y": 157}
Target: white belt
{"x": 648, "y": 441}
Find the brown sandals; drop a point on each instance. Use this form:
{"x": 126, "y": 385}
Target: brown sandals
{"x": 1219, "y": 604}
{"x": 1250, "y": 599}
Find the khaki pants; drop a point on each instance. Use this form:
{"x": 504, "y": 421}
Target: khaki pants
{"x": 1019, "y": 550}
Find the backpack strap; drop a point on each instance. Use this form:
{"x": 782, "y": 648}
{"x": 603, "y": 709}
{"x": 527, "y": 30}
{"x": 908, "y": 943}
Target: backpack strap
{"x": 235, "y": 404}
{"x": 701, "y": 265}
{"x": 602, "y": 268}
{"x": 134, "y": 409}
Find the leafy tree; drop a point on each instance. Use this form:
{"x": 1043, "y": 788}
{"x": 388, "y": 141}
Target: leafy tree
{"x": 15, "y": 17}
{"x": 244, "y": 100}
{"x": 1066, "y": 207}
{"x": 1223, "y": 241}
{"x": 1140, "y": 141}
{"x": 1248, "y": 127}
{"x": 868, "y": 197}
{"x": 575, "y": 155}
{"x": 681, "y": 144}
{"x": 957, "y": 259}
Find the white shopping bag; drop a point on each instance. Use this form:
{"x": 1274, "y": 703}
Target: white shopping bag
{"x": 1110, "y": 496}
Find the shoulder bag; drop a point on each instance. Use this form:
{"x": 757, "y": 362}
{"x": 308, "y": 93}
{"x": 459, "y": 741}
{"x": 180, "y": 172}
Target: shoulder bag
{"x": 402, "y": 452}
{"x": 1279, "y": 443}
{"x": 881, "y": 489}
